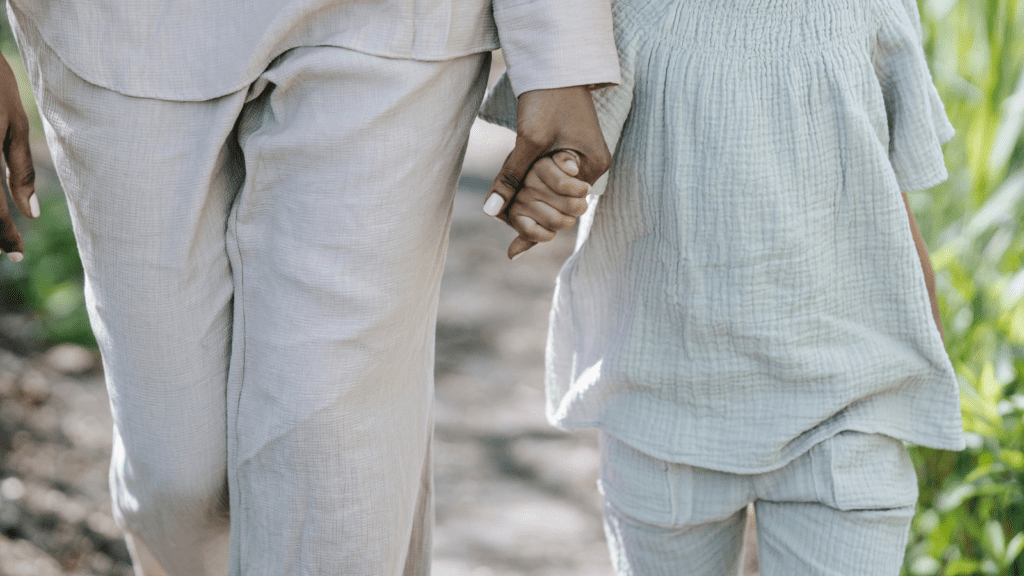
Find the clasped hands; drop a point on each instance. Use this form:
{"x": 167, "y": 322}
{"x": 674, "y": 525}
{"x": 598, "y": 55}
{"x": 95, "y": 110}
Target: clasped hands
{"x": 559, "y": 153}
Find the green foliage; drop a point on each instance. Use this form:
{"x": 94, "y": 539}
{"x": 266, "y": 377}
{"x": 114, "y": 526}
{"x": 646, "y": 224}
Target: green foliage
{"x": 970, "y": 516}
{"x": 49, "y": 285}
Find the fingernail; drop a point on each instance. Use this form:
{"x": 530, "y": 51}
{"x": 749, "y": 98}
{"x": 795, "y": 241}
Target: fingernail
{"x": 15, "y": 256}
{"x": 517, "y": 256}
{"x": 493, "y": 204}
{"x": 33, "y": 205}
{"x": 572, "y": 166}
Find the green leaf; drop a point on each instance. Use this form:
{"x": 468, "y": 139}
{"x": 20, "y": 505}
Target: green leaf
{"x": 961, "y": 566}
{"x": 955, "y": 497}
{"x": 1013, "y": 458}
{"x": 1009, "y": 131}
{"x": 1014, "y": 548}
{"x": 995, "y": 538}
{"x": 998, "y": 209}
{"x": 980, "y": 471}
{"x": 924, "y": 566}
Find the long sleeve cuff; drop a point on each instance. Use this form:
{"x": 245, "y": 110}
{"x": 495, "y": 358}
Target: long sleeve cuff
{"x": 557, "y": 43}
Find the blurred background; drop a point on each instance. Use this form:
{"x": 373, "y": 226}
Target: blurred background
{"x": 515, "y": 496}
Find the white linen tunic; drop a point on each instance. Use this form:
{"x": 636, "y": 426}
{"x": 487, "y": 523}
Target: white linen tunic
{"x": 747, "y": 285}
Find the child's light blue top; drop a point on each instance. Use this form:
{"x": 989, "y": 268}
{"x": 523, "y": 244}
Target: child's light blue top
{"x": 747, "y": 284}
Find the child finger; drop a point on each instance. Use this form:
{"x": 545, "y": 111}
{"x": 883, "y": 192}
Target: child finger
{"x": 543, "y": 214}
{"x": 568, "y": 161}
{"x": 567, "y": 205}
{"x": 518, "y": 246}
{"x": 561, "y": 183}
{"x": 529, "y": 229}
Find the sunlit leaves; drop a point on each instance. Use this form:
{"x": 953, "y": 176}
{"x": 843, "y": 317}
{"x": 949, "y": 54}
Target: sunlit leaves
{"x": 971, "y": 513}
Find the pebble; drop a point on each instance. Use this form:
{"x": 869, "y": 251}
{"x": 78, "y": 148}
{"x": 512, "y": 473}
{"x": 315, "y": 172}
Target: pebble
{"x": 12, "y": 489}
{"x": 70, "y": 359}
{"x": 35, "y": 387}
{"x": 21, "y": 558}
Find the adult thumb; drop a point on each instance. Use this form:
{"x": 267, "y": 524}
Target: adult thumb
{"x": 510, "y": 178}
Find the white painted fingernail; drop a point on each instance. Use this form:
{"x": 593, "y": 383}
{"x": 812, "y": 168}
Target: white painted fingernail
{"x": 15, "y": 256}
{"x": 33, "y": 205}
{"x": 572, "y": 166}
{"x": 493, "y": 204}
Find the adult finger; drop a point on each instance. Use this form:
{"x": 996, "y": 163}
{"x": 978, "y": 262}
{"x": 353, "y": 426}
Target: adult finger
{"x": 21, "y": 175}
{"x": 18, "y": 159}
{"x": 10, "y": 238}
{"x": 513, "y": 172}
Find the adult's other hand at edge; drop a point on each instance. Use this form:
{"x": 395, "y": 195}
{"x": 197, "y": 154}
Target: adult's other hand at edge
{"x": 18, "y": 160}
{"x": 548, "y": 121}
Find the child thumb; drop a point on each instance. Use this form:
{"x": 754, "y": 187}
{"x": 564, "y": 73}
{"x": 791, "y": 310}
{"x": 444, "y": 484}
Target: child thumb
{"x": 568, "y": 161}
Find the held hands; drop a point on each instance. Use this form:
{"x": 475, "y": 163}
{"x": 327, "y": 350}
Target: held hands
{"x": 550, "y": 201}
{"x": 21, "y": 175}
{"x": 561, "y": 122}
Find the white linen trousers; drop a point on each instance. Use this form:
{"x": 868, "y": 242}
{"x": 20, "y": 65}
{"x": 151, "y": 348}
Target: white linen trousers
{"x": 843, "y": 508}
{"x": 262, "y": 273}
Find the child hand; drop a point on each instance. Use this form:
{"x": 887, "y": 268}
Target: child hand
{"x": 550, "y": 201}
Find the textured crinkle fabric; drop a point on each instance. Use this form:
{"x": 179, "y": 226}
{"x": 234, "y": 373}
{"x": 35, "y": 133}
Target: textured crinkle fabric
{"x": 747, "y": 284}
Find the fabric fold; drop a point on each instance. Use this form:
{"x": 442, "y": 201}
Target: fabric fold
{"x": 918, "y": 125}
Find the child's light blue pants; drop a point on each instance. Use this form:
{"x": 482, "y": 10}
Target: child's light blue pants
{"x": 843, "y": 508}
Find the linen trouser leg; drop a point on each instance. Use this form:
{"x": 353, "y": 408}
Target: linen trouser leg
{"x": 323, "y": 307}
{"x": 337, "y": 242}
{"x": 638, "y": 548}
{"x": 659, "y": 522}
{"x": 843, "y": 508}
{"x": 149, "y": 185}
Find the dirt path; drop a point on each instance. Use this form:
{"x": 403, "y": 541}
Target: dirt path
{"x": 514, "y": 496}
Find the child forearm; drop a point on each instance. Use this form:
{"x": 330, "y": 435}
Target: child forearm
{"x": 926, "y": 267}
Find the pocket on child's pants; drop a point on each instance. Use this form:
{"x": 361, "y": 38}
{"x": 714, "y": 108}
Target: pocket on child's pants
{"x": 865, "y": 471}
{"x": 642, "y": 487}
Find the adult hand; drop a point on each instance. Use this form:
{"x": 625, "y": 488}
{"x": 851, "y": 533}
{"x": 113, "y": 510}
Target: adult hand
{"x": 18, "y": 158}
{"x": 549, "y": 121}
